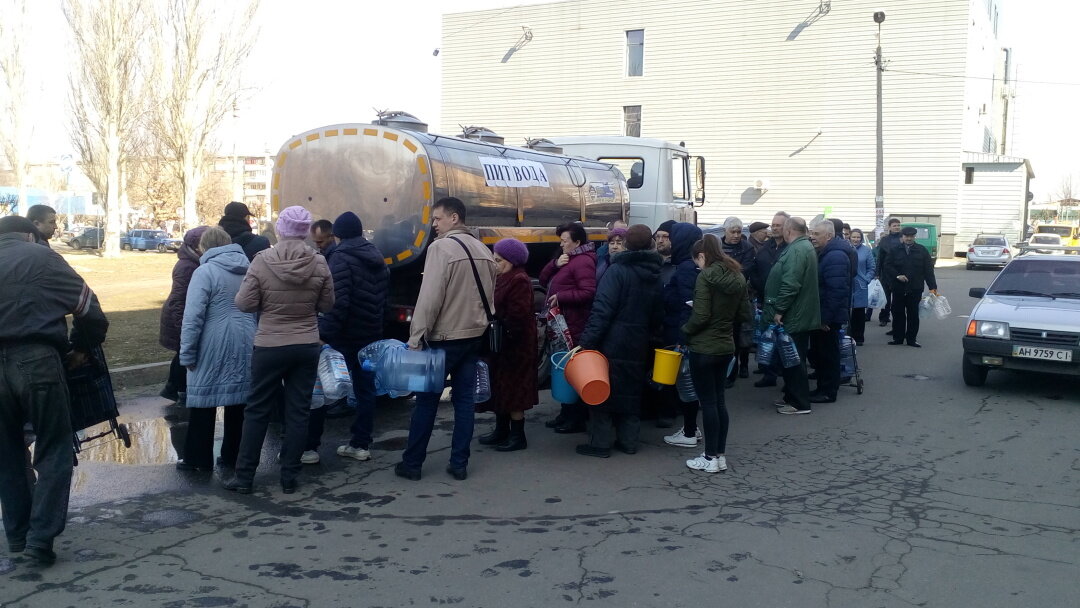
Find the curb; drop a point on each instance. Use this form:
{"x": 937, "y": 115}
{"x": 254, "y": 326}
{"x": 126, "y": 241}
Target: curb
{"x": 140, "y": 375}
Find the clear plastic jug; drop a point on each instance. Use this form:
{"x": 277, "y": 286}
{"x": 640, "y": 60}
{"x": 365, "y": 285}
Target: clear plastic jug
{"x": 483, "y": 382}
{"x": 413, "y": 371}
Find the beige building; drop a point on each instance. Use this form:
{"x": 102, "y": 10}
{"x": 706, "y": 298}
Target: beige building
{"x": 778, "y": 95}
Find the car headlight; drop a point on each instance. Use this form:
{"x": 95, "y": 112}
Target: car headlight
{"x": 988, "y": 329}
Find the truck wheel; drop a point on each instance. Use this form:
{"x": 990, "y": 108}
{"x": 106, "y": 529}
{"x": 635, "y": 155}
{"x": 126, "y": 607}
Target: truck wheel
{"x": 543, "y": 363}
{"x": 974, "y": 375}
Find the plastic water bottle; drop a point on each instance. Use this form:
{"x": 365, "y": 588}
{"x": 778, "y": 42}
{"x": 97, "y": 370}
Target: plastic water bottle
{"x": 847, "y": 356}
{"x": 483, "y": 382}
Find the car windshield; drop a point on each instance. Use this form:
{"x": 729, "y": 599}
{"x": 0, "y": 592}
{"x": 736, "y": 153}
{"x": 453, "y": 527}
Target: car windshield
{"x": 1051, "y": 277}
{"x": 1046, "y": 239}
{"x": 995, "y": 241}
{"x": 160, "y": 235}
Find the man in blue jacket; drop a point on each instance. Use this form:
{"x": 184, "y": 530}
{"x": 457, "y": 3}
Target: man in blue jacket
{"x": 834, "y": 293}
{"x": 361, "y": 285}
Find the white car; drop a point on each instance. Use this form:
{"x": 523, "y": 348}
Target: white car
{"x": 1027, "y": 320}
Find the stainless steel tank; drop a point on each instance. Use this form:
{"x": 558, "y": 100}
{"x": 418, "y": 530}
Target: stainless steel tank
{"x": 391, "y": 176}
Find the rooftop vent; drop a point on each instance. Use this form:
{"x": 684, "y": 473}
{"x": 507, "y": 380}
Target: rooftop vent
{"x": 400, "y": 120}
{"x": 543, "y": 145}
{"x": 481, "y": 134}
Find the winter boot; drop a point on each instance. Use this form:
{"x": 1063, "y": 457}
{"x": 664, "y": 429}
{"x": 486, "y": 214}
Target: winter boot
{"x": 516, "y": 440}
{"x": 499, "y": 433}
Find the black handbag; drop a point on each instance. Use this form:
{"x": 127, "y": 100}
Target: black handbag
{"x": 494, "y": 333}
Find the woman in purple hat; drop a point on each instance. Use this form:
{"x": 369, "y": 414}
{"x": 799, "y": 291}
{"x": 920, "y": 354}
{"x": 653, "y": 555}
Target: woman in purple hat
{"x": 513, "y": 372}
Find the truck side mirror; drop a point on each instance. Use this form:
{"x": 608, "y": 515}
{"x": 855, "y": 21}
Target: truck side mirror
{"x": 699, "y": 180}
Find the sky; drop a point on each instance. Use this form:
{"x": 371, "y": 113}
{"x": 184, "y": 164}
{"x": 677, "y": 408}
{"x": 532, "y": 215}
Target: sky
{"x": 321, "y": 62}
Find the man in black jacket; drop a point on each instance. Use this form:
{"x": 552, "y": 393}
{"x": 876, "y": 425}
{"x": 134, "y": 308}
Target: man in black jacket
{"x": 235, "y": 222}
{"x": 361, "y": 286}
{"x": 907, "y": 268}
{"x": 764, "y": 260}
{"x": 41, "y": 289}
{"x": 885, "y": 245}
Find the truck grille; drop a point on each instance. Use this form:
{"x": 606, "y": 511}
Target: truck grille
{"x": 1037, "y": 336}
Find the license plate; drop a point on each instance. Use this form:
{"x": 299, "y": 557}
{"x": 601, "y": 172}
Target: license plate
{"x": 989, "y": 252}
{"x": 1049, "y": 354}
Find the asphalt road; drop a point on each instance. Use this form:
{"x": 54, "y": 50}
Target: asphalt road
{"x": 919, "y": 492}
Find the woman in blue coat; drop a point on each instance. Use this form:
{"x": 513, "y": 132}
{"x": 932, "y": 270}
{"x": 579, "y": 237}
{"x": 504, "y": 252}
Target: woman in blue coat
{"x": 865, "y": 271}
{"x": 216, "y": 342}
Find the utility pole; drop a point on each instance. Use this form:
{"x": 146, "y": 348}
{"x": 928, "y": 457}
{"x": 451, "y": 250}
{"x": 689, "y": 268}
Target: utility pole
{"x": 879, "y": 195}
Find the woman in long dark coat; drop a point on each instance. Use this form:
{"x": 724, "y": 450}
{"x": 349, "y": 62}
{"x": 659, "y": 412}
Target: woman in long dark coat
{"x": 627, "y": 310}
{"x": 513, "y": 371}
{"x": 172, "y": 312}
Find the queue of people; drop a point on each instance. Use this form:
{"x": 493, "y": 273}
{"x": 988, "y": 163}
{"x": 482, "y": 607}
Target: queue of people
{"x": 247, "y": 320}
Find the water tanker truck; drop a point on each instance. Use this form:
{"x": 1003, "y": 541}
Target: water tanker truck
{"x": 392, "y": 171}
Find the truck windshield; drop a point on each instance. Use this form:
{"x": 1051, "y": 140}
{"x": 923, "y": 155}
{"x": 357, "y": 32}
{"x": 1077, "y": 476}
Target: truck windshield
{"x": 1062, "y": 231}
{"x": 633, "y": 169}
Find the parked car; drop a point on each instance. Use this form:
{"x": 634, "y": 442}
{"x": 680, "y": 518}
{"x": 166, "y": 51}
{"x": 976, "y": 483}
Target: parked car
{"x": 1027, "y": 320}
{"x": 988, "y": 250}
{"x": 145, "y": 240}
{"x": 90, "y": 237}
{"x": 1050, "y": 240}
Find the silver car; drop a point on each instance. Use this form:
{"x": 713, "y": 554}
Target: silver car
{"x": 1027, "y": 320}
{"x": 988, "y": 250}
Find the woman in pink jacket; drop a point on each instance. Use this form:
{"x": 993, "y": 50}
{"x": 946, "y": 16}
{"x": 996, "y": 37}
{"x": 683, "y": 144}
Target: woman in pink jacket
{"x": 287, "y": 286}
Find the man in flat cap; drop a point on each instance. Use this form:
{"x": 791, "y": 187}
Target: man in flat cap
{"x": 907, "y": 267}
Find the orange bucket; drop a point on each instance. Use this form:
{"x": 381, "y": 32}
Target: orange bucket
{"x": 587, "y": 372}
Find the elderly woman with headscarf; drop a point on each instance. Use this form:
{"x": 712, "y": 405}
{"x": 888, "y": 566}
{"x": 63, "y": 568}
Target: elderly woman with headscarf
{"x": 513, "y": 371}
{"x": 616, "y": 243}
{"x": 215, "y": 347}
{"x": 287, "y": 285}
{"x": 172, "y": 312}
{"x": 738, "y": 248}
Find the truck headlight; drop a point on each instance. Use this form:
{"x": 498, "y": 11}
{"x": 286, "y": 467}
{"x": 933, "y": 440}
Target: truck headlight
{"x": 988, "y": 329}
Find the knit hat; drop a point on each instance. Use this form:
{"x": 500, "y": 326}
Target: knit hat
{"x": 513, "y": 251}
{"x": 293, "y": 223}
{"x": 614, "y": 232}
{"x": 666, "y": 226}
{"x": 757, "y": 226}
{"x": 237, "y": 209}
{"x": 348, "y": 225}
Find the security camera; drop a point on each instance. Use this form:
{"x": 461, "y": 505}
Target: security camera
{"x": 879, "y": 16}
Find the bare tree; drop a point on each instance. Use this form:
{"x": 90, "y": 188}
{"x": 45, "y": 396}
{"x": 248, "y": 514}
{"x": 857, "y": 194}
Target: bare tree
{"x": 1065, "y": 191}
{"x": 106, "y": 102}
{"x": 201, "y": 52}
{"x": 16, "y": 131}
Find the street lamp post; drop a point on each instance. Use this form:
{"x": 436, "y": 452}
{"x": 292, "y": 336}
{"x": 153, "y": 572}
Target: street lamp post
{"x": 879, "y": 194}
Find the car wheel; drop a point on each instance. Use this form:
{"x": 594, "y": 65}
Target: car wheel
{"x": 974, "y": 375}
{"x": 161, "y": 248}
{"x": 126, "y": 246}
{"x": 970, "y": 266}
{"x": 75, "y": 244}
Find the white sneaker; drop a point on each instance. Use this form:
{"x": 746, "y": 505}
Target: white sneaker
{"x": 790, "y": 409}
{"x": 708, "y": 465}
{"x": 309, "y": 457}
{"x": 679, "y": 439}
{"x": 350, "y": 452}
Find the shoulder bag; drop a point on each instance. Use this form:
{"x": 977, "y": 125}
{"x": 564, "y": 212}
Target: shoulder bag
{"x": 494, "y": 333}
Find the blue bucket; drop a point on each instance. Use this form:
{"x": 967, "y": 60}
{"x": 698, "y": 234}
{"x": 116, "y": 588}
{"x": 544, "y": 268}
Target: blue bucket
{"x": 561, "y": 390}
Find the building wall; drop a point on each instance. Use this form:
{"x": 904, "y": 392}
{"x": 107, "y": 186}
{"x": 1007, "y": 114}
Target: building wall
{"x": 746, "y": 84}
{"x": 992, "y": 203}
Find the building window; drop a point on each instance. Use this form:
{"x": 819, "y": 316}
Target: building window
{"x": 635, "y": 52}
{"x": 632, "y": 120}
{"x": 969, "y": 175}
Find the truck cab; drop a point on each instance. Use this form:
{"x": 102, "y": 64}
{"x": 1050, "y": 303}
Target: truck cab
{"x": 664, "y": 180}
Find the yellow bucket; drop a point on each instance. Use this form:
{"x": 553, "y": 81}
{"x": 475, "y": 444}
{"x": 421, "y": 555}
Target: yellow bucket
{"x": 666, "y": 366}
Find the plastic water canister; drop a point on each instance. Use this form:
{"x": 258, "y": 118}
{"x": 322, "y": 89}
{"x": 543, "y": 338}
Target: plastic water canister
{"x": 483, "y": 382}
{"x": 414, "y": 371}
